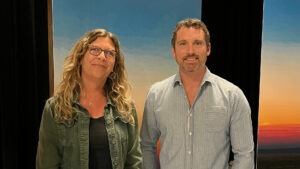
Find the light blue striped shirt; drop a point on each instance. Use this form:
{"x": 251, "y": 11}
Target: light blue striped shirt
{"x": 197, "y": 136}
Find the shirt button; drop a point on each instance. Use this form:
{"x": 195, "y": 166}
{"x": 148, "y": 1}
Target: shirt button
{"x": 189, "y": 152}
{"x": 190, "y": 133}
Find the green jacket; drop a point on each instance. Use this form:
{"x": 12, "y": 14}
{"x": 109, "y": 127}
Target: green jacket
{"x": 66, "y": 145}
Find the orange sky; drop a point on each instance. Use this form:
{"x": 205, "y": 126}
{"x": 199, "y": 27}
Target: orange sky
{"x": 279, "y": 108}
{"x": 279, "y": 88}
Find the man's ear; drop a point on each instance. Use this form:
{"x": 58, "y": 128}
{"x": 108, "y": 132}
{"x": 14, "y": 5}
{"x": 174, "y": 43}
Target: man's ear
{"x": 208, "y": 49}
{"x": 173, "y": 53}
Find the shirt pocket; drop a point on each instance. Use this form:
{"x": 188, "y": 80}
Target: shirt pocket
{"x": 215, "y": 118}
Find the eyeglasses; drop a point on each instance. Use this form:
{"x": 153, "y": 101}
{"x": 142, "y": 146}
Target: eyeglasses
{"x": 109, "y": 54}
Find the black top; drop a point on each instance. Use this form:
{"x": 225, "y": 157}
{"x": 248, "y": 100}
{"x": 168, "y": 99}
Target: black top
{"x": 99, "y": 154}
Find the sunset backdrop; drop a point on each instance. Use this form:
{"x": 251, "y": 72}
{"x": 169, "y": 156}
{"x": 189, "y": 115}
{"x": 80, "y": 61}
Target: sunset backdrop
{"x": 279, "y": 110}
{"x": 144, "y": 29}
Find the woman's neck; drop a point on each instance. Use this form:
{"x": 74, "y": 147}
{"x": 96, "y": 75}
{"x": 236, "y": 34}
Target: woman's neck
{"x": 93, "y": 88}
{"x": 92, "y": 85}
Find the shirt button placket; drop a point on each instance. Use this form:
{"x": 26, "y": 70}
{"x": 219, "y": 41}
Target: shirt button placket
{"x": 190, "y": 142}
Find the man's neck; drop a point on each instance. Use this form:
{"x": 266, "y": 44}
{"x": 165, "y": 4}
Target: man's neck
{"x": 192, "y": 78}
{"x": 191, "y": 83}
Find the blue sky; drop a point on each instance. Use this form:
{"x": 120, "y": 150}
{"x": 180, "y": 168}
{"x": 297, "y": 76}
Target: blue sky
{"x": 281, "y": 21}
{"x": 130, "y": 20}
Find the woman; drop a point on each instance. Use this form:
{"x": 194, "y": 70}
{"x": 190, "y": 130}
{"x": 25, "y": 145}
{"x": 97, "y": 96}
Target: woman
{"x": 91, "y": 122}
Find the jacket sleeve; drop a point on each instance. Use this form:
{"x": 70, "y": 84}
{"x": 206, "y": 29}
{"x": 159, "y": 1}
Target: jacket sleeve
{"x": 48, "y": 152}
{"x": 134, "y": 154}
{"x": 241, "y": 133}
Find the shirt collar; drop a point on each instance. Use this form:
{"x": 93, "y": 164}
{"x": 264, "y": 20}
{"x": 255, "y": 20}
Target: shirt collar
{"x": 207, "y": 78}
{"x": 177, "y": 80}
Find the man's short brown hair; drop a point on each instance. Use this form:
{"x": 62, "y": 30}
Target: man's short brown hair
{"x": 191, "y": 22}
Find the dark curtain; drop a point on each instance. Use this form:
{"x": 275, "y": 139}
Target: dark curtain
{"x": 24, "y": 79}
{"x": 236, "y": 37}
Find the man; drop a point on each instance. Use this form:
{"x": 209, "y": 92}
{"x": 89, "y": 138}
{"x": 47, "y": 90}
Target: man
{"x": 197, "y": 115}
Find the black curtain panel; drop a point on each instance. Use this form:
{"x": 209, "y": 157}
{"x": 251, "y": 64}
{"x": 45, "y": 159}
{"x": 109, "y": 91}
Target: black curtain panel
{"x": 24, "y": 79}
{"x": 236, "y": 37}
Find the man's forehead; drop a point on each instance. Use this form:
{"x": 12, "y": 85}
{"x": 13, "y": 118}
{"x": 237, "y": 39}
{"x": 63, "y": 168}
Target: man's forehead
{"x": 189, "y": 33}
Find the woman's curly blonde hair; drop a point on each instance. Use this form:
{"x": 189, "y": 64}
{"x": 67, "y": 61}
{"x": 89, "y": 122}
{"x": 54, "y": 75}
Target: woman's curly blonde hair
{"x": 117, "y": 88}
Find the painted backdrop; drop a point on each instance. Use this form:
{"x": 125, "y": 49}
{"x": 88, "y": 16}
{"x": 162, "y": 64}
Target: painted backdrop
{"x": 279, "y": 112}
{"x": 144, "y": 29}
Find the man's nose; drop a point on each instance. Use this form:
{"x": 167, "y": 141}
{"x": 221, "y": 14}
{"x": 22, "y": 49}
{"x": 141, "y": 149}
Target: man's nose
{"x": 190, "y": 49}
